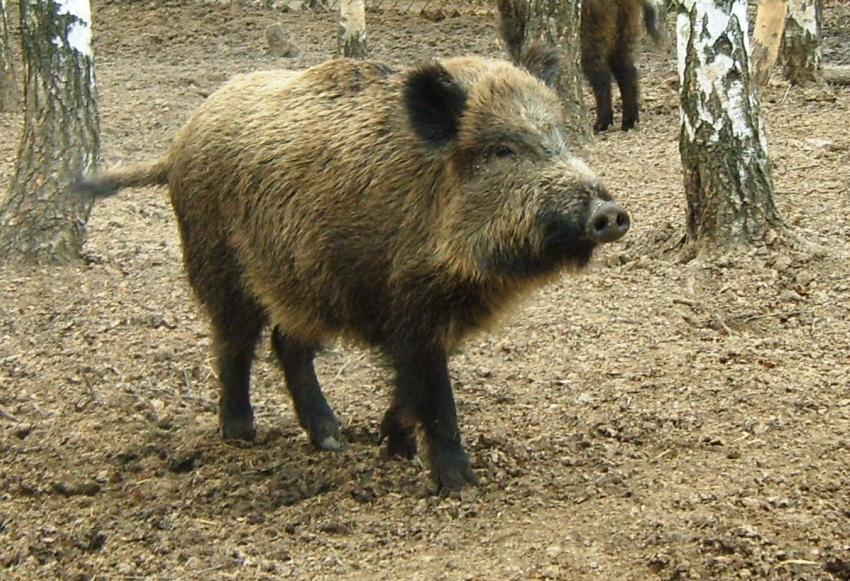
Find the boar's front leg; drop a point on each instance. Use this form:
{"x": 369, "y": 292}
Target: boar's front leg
{"x": 423, "y": 393}
{"x": 314, "y": 413}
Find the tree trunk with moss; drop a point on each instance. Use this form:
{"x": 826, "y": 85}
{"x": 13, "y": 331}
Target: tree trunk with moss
{"x": 801, "y": 51}
{"x": 727, "y": 175}
{"x": 42, "y": 219}
{"x": 10, "y": 97}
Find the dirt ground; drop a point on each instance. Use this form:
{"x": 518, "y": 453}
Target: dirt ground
{"x": 645, "y": 420}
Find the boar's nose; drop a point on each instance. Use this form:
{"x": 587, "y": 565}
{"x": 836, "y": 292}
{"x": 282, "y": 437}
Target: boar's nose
{"x": 608, "y": 221}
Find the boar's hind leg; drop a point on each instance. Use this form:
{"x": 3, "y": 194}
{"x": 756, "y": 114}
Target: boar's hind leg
{"x": 236, "y": 320}
{"x": 236, "y": 324}
{"x": 423, "y": 392}
{"x": 627, "y": 79}
{"x": 600, "y": 81}
{"x": 314, "y": 413}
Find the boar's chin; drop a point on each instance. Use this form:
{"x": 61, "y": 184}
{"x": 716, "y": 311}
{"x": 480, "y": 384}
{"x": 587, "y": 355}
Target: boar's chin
{"x": 532, "y": 263}
{"x": 565, "y": 240}
{"x": 560, "y": 245}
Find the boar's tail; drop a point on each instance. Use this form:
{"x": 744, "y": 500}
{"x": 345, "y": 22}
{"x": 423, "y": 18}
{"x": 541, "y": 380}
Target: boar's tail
{"x": 650, "y": 19}
{"x": 513, "y": 15}
{"x": 108, "y": 183}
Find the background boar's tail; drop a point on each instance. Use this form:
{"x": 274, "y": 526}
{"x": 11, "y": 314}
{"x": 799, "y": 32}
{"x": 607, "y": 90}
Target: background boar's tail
{"x": 650, "y": 19}
{"x": 108, "y": 183}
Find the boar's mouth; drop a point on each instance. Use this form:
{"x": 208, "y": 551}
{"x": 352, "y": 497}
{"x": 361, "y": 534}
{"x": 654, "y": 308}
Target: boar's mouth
{"x": 561, "y": 239}
{"x": 561, "y": 243}
{"x": 565, "y": 239}
{"x": 571, "y": 237}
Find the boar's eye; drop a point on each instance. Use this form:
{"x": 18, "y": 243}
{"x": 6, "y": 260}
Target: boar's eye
{"x": 503, "y": 150}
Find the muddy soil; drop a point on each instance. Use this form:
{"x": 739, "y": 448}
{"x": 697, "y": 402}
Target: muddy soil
{"x": 649, "y": 419}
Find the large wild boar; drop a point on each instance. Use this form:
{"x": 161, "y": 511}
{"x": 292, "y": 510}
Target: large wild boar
{"x": 403, "y": 209}
{"x": 609, "y": 33}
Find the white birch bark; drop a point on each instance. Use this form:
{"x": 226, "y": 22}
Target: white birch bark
{"x": 351, "y": 36}
{"x": 802, "y": 53}
{"x": 727, "y": 176}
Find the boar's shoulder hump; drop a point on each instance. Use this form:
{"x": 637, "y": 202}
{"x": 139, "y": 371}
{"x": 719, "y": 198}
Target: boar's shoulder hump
{"x": 344, "y": 76}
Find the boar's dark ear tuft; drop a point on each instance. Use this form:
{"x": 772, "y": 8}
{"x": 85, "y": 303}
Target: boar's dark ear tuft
{"x": 434, "y": 102}
{"x": 543, "y": 62}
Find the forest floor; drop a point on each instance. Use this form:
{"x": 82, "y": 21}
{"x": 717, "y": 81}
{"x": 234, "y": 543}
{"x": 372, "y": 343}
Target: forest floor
{"x": 648, "y": 419}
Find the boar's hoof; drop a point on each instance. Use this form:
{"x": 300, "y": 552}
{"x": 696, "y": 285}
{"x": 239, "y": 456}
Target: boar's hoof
{"x": 401, "y": 440}
{"x": 603, "y": 125}
{"x": 608, "y": 222}
{"x": 325, "y": 434}
{"x": 238, "y": 429}
{"x": 330, "y": 443}
{"x": 451, "y": 470}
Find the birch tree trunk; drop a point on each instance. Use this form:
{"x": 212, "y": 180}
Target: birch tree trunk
{"x": 351, "y": 36}
{"x": 801, "y": 53}
{"x": 10, "y": 97}
{"x": 727, "y": 176}
{"x": 556, "y": 22}
{"x": 42, "y": 219}
{"x": 767, "y": 36}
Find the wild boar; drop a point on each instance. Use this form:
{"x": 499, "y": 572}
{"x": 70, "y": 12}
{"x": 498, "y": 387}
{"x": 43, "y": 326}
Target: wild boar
{"x": 401, "y": 208}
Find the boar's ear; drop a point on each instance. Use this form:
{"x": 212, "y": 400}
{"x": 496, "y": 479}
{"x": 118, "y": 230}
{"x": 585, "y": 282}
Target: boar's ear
{"x": 434, "y": 103}
{"x": 543, "y": 62}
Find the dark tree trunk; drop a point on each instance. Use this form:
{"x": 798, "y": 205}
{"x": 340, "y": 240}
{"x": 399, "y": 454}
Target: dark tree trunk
{"x": 10, "y": 97}
{"x": 556, "y": 22}
{"x": 727, "y": 175}
{"x": 42, "y": 219}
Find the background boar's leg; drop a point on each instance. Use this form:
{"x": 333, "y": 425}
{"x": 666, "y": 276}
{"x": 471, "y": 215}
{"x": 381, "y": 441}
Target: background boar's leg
{"x": 314, "y": 413}
{"x": 627, "y": 79}
{"x": 600, "y": 81}
{"x": 236, "y": 326}
{"x": 423, "y": 392}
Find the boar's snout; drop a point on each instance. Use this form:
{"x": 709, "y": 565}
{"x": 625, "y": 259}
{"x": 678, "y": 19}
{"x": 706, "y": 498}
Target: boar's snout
{"x": 608, "y": 221}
